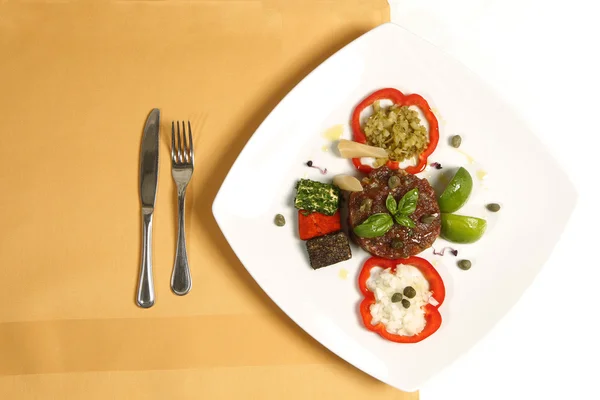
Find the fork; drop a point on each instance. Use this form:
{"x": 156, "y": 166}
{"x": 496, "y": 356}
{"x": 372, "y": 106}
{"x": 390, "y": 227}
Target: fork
{"x": 182, "y": 167}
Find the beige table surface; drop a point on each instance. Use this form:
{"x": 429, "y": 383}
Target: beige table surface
{"x": 77, "y": 81}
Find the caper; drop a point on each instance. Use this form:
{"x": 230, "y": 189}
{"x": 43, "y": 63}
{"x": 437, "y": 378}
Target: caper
{"x": 366, "y": 205}
{"x": 410, "y": 292}
{"x": 405, "y": 303}
{"x": 493, "y": 207}
{"x": 464, "y": 264}
{"x": 427, "y": 218}
{"x": 396, "y": 297}
{"x": 397, "y": 244}
{"x": 456, "y": 141}
{"x": 394, "y": 181}
{"x": 279, "y": 220}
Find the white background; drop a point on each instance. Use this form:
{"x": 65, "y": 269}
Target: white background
{"x": 544, "y": 58}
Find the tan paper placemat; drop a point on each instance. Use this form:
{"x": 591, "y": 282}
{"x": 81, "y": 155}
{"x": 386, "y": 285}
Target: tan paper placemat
{"x": 77, "y": 82}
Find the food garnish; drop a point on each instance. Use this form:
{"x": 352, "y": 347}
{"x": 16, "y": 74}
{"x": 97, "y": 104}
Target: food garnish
{"x": 397, "y": 244}
{"x": 406, "y": 138}
{"x": 457, "y": 192}
{"x": 409, "y": 292}
{"x": 366, "y": 205}
{"x": 464, "y": 264}
{"x": 436, "y": 165}
{"x": 452, "y": 251}
{"x": 462, "y": 229}
{"x": 493, "y": 207}
{"x": 315, "y": 196}
{"x": 394, "y": 181}
{"x": 323, "y": 171}
{"x": 351, "y": 149}
{"x": 404, "y": 220}
{"x": 456, "y": 141}
{"x": 459, "y": 228}
{"x": 279, "y": 220}
{"x": 348, "y": 183}
{"x": 374, "y": 226}
{"x": 404, "y": 208}
{"x": 428, "y": 218}
{"x": 315, "y": 224}
{"x": 401, "y": 321}
{"x": 378, "y": 224}
{"x": 328, "y": 250}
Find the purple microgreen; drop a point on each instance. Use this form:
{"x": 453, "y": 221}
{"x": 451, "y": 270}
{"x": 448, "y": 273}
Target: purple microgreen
{"x": 454, "y": 252}
{"x": 322, "y": 170}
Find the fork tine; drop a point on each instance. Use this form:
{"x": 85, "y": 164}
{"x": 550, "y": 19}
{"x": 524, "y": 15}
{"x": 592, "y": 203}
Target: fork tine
{"x": 191, "y": 142}
{"x": 173, "y": 142}
{"x": 184, "y": 150}
{"x": 179, "y": 158}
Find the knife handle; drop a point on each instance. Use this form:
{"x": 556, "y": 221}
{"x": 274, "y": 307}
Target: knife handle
{"x": 145, "y": 293}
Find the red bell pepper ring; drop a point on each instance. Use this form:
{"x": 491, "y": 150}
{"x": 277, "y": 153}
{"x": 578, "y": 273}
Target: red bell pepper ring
{"x": 398, "y": 98}
{"x": 433, "y": 317}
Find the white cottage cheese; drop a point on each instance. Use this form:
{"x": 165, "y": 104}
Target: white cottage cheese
{"x": 397, "y": 319}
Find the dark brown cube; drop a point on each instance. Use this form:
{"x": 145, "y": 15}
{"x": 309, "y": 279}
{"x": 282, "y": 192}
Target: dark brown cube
{"x": 329, "y": 249}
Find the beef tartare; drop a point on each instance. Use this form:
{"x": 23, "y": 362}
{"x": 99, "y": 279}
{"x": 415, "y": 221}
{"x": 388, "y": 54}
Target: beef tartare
{"x": 399, "y": 241}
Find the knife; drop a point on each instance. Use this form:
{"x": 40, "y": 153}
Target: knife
{"x": 148, "y": 184}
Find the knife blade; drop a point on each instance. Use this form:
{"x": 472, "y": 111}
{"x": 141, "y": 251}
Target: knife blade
{"x": 148, "y": 186}
{"x": 149, "y": 160}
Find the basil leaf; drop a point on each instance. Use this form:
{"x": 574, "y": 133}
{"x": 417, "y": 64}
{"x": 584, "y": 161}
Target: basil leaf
{"x": 400, "y": 204}
{"x": 409, "y": 202}
{"x": 390, "y": 204}
{"x": 404, "y": 221}
{"x": 374, "y": 226}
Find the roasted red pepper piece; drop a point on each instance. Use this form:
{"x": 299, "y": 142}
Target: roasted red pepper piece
{"x": 399, "y": 98}
{"x": 433, "y": 317}
{"x": 316, "y": 224}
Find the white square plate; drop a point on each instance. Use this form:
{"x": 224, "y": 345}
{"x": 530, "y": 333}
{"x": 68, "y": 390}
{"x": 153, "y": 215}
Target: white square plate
{"x": 510, "y": 167}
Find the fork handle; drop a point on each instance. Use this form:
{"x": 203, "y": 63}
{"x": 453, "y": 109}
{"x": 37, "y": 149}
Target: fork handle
{"x": 145, "y": 293}
{"x": 181, "y": 280}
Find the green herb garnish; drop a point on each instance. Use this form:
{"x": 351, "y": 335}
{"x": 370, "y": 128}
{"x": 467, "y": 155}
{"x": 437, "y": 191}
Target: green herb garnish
{"x": 404, "y": 221}
{"x": 315, "y": 196}
{"x": 374, "y": 226}
{"x": 390, "y": 204}
{"x": 378, "y": 224}
{"x": 405, "y": 207}
{"x": 408, "y": 203}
